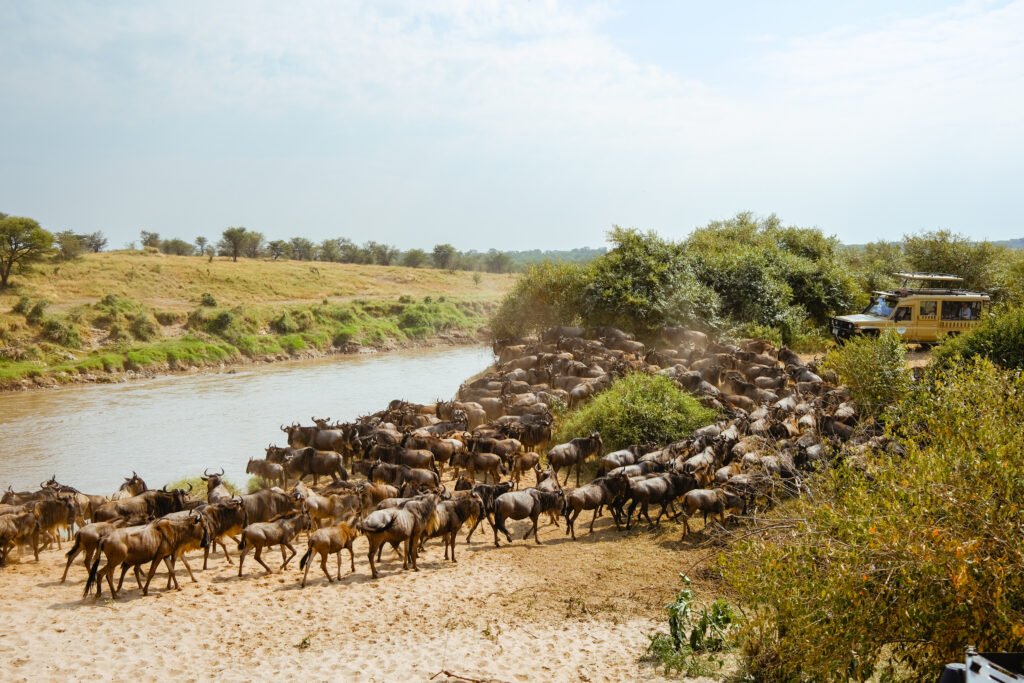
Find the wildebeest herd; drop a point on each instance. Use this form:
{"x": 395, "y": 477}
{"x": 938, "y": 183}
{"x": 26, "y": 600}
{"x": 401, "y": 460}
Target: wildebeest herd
{"x": 411, "y": 472}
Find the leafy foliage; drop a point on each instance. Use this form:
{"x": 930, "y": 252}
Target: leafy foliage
{"x": 546, "y": 294}
{"x": 945, "y": 252}
{"x": 645, "y": 283}
{"x": 22, "y": 243}
{"x": 688, "y": 638}
{"x": 1000, "y": 339}
{"x": 635, "y": 409}
{"x": 893, "y": 569}
{"x": 874, "y": 369}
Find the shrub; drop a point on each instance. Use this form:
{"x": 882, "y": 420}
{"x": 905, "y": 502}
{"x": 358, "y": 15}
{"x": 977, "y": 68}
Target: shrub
{"x": 284, "y": 324}
{"x": 689, "y": 637}
{"x": 547, "y": 294}
{"x": 144, "y": 328}
{"x": 23, "y": 305}
{"x": 38, "y": 310}
{"x": 1000, "y": 339}
{"x": 207, "y": 300}
{"x": 874, "y": 369}
{"x": 896, "y": 567}
{"x": 170, "y": 317}
{"x": 61, "y": 333}
{"x": 635, "y": 409}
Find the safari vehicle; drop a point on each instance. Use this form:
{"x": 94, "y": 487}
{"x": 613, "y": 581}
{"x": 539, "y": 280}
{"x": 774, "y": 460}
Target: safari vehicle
{"x": 925, "y": 309}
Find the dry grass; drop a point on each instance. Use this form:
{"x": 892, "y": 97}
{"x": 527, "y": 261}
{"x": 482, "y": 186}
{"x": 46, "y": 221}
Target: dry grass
{"x": 178, "y": 282}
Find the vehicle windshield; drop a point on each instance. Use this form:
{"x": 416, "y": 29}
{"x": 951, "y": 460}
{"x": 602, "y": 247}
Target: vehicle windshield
{"x": 881, "y": 306}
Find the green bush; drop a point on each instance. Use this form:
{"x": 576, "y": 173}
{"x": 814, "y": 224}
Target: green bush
{"x": 635, "y": 409}
{"x": 61, "y": 333}
{"x": 874, "y": 369}
{"x": 283, "y": 323}
{"x": 685, "y": 648}
{"x": 144, "y": 327}
{"x": 1000, "y": 339}
{"x": 207, "y": 300}
{"x": 36, "y": 313}
{"x": 23, "y": 305}
{"x": 199, "y": 486}
{"x": 894, "y": 568}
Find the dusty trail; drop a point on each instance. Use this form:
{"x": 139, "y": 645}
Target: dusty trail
{"x": 562, "y": 611}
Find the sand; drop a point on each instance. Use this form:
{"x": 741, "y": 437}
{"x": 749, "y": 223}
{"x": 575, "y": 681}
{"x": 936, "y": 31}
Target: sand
{"x": 562, "y": 611}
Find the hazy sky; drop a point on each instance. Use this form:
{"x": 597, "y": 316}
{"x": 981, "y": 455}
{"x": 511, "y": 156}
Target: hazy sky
{"x": 513, "y": 124}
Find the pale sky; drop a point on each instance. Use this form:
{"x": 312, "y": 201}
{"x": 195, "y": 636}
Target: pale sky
{"x": 516, "y": 124}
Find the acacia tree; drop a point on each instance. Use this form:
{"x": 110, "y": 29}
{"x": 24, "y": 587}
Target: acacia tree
{"x": 444, "y": 256}
{"x": 201, "y": 243}
{"x": 22, "y": 243}
{"x": 94, "y": 241}
{"x": 233, "y": 241}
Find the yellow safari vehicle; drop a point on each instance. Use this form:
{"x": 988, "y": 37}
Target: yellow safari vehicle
{"x": 924, "y": 310}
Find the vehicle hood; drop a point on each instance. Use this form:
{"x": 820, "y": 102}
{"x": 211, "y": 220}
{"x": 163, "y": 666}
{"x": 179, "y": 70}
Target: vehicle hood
{"x": 857, "y": 318}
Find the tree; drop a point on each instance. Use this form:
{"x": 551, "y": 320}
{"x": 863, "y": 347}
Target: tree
{"x": 252, "y": 245}
{"x": 201, "y": 243}
{"x": 149, "y": 239}
{"x": 233, "y": 241}
{"x": 69, "y": 245}
{"x": 444, "y": 256}
{"x": 414, "y": 258}
{"x": 22, "y": 243}
{"x": 177, "y": 247}
{"x": 302, "y": 249}
{"x": 381, "y": 254}
{"x": 329, "y": 251}
{"x": 94, "y": 241}
{"x": 498, "y": 262}
{"x": 279, "y": 249}
{"x": 944, "y": 252}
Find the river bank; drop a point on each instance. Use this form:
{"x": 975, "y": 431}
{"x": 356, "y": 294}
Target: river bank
{"x": 35, "y": 380}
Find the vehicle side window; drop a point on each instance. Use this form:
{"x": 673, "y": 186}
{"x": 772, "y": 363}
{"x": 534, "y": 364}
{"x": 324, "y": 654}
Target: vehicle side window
{"x": 927, "y": 309}
{"x": 950, "y": 310}
{"x": 902, "y": 314}
{"x": 970, "y": 310}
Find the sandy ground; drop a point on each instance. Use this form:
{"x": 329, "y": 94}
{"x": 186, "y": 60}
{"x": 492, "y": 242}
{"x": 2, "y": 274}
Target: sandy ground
{"x": 562, "y": 611}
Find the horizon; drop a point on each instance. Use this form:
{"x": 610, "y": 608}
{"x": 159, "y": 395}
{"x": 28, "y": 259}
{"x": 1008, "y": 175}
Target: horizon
{"x": 513, "y": 126}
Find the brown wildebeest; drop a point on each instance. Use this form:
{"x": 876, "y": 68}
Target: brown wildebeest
{"x": 326, "y": 541}
{"x": 573, "y": 454}
{"x": 530, "y": 503}
{"x": 216, "y": 491}
{"x": 399, "y": 525}
{"x": 133, "y": 546}
{"x": 524, "y": 462}
{"x": 662, "y": 489}
{"x": 227, "y": 518}
{"x": 488, "y": 463}
{"x": 281, "y": 531}
{"x": 88, "y": 538}
{"x": 709, "y": 501}
{"x": 154, "y": 503}
{"x": 132, "y": 486}
{"x": 267, "y": 504}
{"x": 18, "y": 529}
{"x": 599, "y": 492}
{"x": 272, "y": 472}
{"x": 451, "y": 515}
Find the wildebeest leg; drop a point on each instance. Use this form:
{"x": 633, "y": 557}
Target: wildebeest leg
{"x": 475, "y": 525}
{"x": 351, "y": 556}
{"x": 534, "y": 517}
{"x": 185, "y": 562}
{"x": 259, "y": 551}
{"x": 289, "y": 546}
{"x": 241, "y": 558}
{"x": 72, "y": 554}
{"x": 151, "y": 572}
{"x": 629, "y": 512}
{"x": 373, "y": 551}
{"x": 579, "y": 463}
{"x": 120, "y": 581}
{"x": 305, "y": 572}
{"x": 643, "y": 509}
{"x": 686, "y": 524}
{"x": 338, "y": 556}
{"x": 592, "y": 520}
{"x": 657, "y": 520}
{"x": 323, "y": 566}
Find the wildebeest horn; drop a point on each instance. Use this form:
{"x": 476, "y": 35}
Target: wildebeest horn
{"x": 283, "y": 429}
{"x": 190, "y": 487}
{"x": 134, "y": 475}
{"x": 164, "y": 488}
{"x": 221, "y": 472}
{"x": 206, "y": 474}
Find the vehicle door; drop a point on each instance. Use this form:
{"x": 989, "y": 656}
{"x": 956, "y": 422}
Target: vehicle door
{"x": 927, "y": 321}
{"x": 903, "y": 320}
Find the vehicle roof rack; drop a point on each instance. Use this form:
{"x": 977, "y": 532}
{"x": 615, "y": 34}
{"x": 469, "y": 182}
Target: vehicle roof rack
{"x": 935, "y": 277}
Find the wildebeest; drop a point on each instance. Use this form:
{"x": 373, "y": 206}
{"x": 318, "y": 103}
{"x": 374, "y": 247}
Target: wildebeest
{"x": 524, "y": 462}
{"x": 661, "y": 488}
{"x": 132, "y": 486}
{"x": 573, "y": 453}
{"x": 264, "y": 505}
{"x": 601, "y": 491}
{"x": 529, "y": 503}
{"x": 216, "y": 491}
{"x": 327, "y": 541}
{"x": 450, "y": 515}
{"x": 133, "y": 546}
{"x": 397, "y": 475}
{"x": 709, "y": 501}
{"x": 281, "y": 531}
{"x": 16, "y": 530}
{"x": 272, "y": 472}
{"x": 226, "y": 518}
{"x": 154, "y": 503}
{"x": 398, "y": 525}
{"x": 88, "y": 538}
{"x": 309, "y": 461}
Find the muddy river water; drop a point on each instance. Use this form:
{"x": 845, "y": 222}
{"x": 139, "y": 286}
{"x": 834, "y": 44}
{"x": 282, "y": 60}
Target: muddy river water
{"x": 172, "y": 427}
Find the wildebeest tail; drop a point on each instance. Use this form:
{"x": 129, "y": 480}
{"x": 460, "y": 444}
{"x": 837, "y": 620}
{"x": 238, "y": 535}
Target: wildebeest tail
{"x": 376, "y": 529}
{"x": 305, "y": 558}
{"x": 241, "y": 544}
{"x": 74, "y": 549}
{"x": 94, "y": 569}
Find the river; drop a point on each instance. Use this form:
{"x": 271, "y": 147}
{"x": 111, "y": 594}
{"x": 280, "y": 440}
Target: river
{"x": 171, "y": 427}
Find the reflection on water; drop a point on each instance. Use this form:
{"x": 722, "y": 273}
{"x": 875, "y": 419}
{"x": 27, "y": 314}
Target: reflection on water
{"x": 172, "y": 427}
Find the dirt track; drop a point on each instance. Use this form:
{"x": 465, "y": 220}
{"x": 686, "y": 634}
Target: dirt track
{"x": 562, "y": 611}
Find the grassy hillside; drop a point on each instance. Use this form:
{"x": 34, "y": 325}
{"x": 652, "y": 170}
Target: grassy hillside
{"x": 112, "y": 312}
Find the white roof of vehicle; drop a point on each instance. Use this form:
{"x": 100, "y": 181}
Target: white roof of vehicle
{"x": 935, "y": 277}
